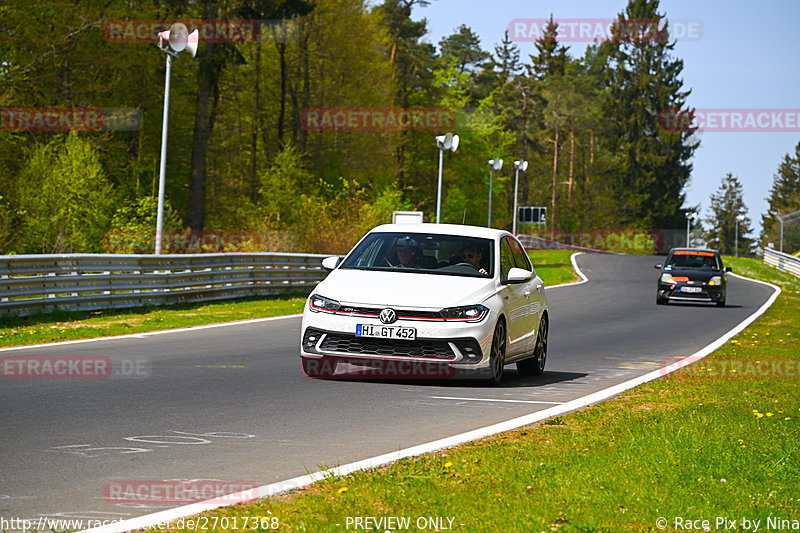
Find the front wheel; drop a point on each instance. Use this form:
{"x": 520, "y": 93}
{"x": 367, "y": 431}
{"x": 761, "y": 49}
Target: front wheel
{"x": 535, "y": 365}
{"x": 497, "y": 356}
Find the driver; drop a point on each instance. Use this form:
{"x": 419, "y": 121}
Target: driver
{"x": 470, "y": 254}
{"x": 408, "y": 252}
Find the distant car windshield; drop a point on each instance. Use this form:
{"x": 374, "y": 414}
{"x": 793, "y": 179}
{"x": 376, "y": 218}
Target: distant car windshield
{"x": 694, "y": 260}
{"x": 426, "y": 253}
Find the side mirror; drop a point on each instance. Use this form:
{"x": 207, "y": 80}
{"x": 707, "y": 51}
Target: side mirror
{"x": 659, "y": 265}
{"x": 518, "y": 275}
{"x": 329, "y": 263}
{"x": 728, "y": 269}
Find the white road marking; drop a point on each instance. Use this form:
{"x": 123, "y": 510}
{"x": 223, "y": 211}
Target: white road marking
{"x": 491, "y": 400}
{"x": 265, "y": 491}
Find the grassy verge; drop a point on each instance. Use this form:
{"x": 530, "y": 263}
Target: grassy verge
{"x": 552, "y": 266}
{"x": 64, "y": 326}
{"x": 718, "y": 439}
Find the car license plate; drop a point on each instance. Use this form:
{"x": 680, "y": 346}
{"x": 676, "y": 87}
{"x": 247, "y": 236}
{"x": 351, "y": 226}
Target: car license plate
{"x": 386, "y": 332}
{"x": 691, "y": 289}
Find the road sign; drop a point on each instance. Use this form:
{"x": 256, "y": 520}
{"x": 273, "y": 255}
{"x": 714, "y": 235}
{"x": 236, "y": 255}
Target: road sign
{"x": 532, "y": 215}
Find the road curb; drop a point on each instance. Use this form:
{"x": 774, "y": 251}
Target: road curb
{"x": 273, "y": 489}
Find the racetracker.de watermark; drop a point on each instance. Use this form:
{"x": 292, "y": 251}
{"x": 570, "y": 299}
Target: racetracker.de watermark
{"x": 70, "y": 118}
{"x": 731, "y": 120}
{"x": 588, "y": 30}
{"x": 390, "y": 369}
{"x": 378, "y": 119}
{"x": 186, "y": 242}
{"x": 235, "y": 31}
{"x": 777, "y": 368}
{"x": 72, "y": 367}
{"x": 133, "y": 491}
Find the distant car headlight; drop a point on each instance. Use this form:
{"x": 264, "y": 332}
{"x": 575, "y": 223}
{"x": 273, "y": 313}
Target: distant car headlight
{"x": 715, "y": 280}
{"x": 467, "y": 313}
{"x": 666, "y": 278}
{"x": 320, "y": 303}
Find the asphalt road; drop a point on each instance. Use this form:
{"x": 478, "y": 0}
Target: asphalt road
{"x": 231, "y": 404}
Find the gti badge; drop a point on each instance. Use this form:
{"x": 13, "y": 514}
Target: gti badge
{"x": 388, "y": 316}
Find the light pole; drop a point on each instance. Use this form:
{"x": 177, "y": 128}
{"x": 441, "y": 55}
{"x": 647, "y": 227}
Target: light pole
{"x": 494, "y": 164}
{"x": 448, "y": 141}
{"x": 690, "y": 215}
{"x": 518, "y": 165}
{"x": 179, "y": 39}
{"x": 739, "y": 218}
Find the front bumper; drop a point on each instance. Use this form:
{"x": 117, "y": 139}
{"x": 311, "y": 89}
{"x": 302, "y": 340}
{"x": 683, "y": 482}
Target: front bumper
{"x": 441, "y": 349}
{"x": 676, "y": 291}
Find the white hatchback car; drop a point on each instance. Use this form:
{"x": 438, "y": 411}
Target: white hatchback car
{"x": 427, "y": 301}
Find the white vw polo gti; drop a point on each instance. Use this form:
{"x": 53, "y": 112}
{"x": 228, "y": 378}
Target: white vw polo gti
{"x": 427, "y": 301}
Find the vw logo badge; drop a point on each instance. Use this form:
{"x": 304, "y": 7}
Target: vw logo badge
{"x": 388, "y": 316}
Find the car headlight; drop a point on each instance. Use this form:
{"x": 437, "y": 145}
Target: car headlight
{"x": 320, "y": 303}
{"x": 715, "y": 280}
{"x": 666, "y": 278}
{"x": 467, "y": 313}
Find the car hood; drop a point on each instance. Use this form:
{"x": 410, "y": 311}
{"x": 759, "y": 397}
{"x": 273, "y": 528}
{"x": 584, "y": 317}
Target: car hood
{"x": 694, "y": 275}
{"x": 404, "y": 289}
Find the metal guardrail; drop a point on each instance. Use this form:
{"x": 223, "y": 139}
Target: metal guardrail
{"x": 785, "y": 262}
{"x": 33, "y": 283}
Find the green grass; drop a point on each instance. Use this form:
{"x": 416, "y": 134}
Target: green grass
{"x": 64, "y": 326}
{"x": 702, "y": 443}
{"x": 553, "y": 266}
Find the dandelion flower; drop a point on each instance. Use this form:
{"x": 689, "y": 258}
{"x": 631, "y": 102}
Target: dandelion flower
{"x": 448, "y": 464}
{"x": 769, "y": 414}
{"x": 341, "y": 490}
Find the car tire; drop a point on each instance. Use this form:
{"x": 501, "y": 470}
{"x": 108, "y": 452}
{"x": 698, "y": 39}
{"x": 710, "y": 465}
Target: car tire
{"x": 534, "y": 366}
{"x": 318, "y": 368}
{"x": 660, "y": 300}
{"x": 497, "y": 356}
{"x": 721, "y": 303}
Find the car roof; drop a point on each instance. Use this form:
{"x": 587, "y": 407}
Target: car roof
{"x": 695, "y": 250}
{"x": 442, "y": 229}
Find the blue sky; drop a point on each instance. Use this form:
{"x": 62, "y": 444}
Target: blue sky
{"x": 748, "y": 56}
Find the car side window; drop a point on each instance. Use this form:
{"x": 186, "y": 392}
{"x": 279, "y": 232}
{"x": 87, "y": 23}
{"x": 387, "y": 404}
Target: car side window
{"x": 520, "y": 257}
{"x": 506, "y": 259}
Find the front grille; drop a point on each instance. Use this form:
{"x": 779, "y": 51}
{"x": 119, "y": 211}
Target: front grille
{"x": 401, "y": 314}
{"x": 341, "y": 343}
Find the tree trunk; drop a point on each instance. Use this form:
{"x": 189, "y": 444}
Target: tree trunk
{"x": 256, "y": 123}
{"x": 555, "y": 183}
{"x": 571, "y": 160}
{"x": 205, "y": 107}
{"x": 525, "y": 184}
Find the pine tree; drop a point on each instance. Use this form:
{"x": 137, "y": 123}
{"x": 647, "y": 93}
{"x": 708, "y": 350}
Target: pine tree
{"x": 784, "y": 198}
{"x": 643, "y": 81}
{"x": 726, "y": 205}
{"x": 464, "y": 46}
{"x": 552, "y": 57}
{"x": 507, "y": 61}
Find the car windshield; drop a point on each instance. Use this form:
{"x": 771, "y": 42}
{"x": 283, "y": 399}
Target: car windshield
{"x": 426, "y": 253}
{"x": 694, "y": 260}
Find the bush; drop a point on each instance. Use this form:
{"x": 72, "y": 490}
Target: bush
{"x": 64, "y": 198}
